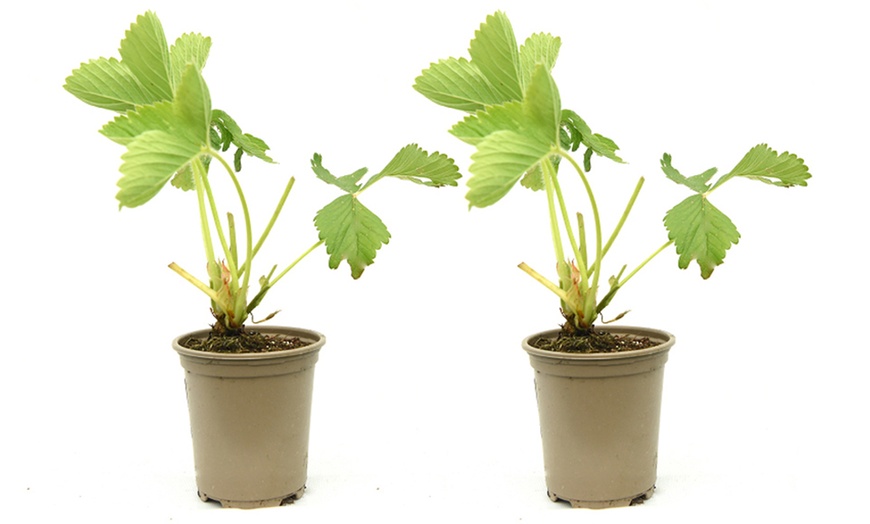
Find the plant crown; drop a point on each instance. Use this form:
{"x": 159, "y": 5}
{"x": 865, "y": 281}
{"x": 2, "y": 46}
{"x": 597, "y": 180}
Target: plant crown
{"x": 521, "y": 134}
{"x": 172, "y": 134}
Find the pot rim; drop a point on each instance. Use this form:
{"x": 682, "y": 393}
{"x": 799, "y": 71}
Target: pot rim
{"x": 315, "y": 341}
{"x": 666, "y": 339}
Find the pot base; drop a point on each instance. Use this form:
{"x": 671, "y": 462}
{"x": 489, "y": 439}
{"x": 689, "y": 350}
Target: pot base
{"x": 252, "y": 504}
{"x": 601, "y": 504}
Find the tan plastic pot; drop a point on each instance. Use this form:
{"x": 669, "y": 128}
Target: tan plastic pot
{"x": 600, "y": 420}
{"x": 249, "y": 419}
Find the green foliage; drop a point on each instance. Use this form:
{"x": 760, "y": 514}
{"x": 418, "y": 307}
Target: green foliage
{"x": 171, "y": 133}
{"x": 350, "y": 230}
{"x": 521, "y": 133}
{"x": 698, "y": 229}
{"x": 700, "y": 232}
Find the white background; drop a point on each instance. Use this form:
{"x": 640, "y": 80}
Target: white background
{"x": 424, "y": 405}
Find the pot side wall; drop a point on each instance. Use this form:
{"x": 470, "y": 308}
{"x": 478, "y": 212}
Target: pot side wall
{"x": 600, "y": 422}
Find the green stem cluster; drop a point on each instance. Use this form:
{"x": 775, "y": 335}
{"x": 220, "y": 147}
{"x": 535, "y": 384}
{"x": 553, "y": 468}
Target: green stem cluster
{"x": 230, "y": 281}
{"x": 579, "y": 279}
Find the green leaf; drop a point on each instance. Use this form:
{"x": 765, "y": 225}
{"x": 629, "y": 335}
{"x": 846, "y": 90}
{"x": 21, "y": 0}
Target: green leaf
{"x": 493, "y": 76}
{"x": 540, "y": 48}
{"x": 348, "y": 183}
{"x": 183, "y": 179}
{"x": 766, "y": 165}
{"x": 351, "y": 232}
{"x": 580, "y": 133}
{"x": 511, "y": 139}
{"x": 151, "y": 159}
{"x": 533, "y": 178}
{"x": 701, "y": 233}
{"x": 414, "y": 164}
{"x": 248, "y": 143}
{"x": 697, "y": 183}
{"x": 192, "y": 106}
{"x": 494, "y": 52}
{"x": 107, "y": 84}
{"x": 162, "y": 139}
{"x": 457, "y": 84}
{"x": 474, "y": 128}
{"x": 145, "y": 52}
{"x": 537, "y": 115}
{"x": 499, "y": 162}
{"x": 543, "y": 106}
{"x": 189, "y": 48}
{"x": 125, "y": 128}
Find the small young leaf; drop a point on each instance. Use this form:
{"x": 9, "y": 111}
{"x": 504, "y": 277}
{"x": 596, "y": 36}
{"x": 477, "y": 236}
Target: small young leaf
{"x": 766, "y": 165}
{"x": 144, "y": 50}
{"x": 183, "y": 179}
{"x": 348, "y": 183}
{"x": 533, "y": 178}
{"x": 700, "y": 232}
{"x": 580, "y": 131}
{"x": 351, "y": 232}
{"x": 697, "y": 183}
{"x": 494, "y": 52}
{"x": 414, "y": 164}
{"x": 232, "y": 133}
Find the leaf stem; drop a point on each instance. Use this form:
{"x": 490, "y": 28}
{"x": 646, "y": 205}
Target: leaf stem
{"x": 272, "y": 221}
{"x": 645, "y": 262}
{"x": 199, "y": 285}
{"x": 293, "y": 264}
{"x": 198, "y": 175}
{"x": 569, "y": 229}
{"x": 551, "y": 206}
{"x": 624, "y": 217}
{"x": 249, "y": 242}
{"x": 594, "y": 269}
{"x": 543, "y": 280}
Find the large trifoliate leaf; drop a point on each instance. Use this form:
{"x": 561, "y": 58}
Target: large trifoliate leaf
{"x": 148, "y": 72}
{"x": 700, "y": 232}
{"x": 351, "y": 232}
{"x": 162, "y": 139}
{"x": 493, "y": 76}
{"x": 511, "y": 139}
{"x": 766, "y": 165}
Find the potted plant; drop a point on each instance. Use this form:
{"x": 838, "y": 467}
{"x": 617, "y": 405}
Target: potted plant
{"x": 249, "y": 389}
{"x": 598, "y": 388}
